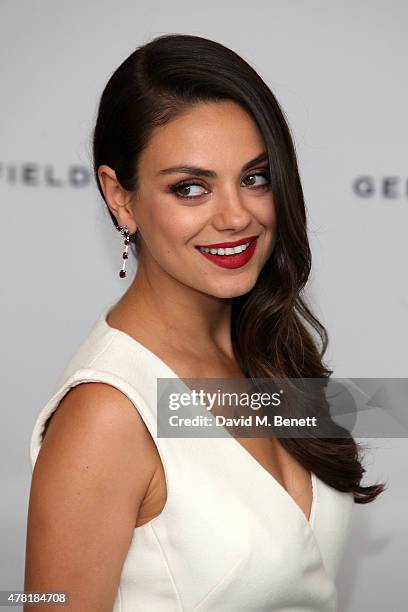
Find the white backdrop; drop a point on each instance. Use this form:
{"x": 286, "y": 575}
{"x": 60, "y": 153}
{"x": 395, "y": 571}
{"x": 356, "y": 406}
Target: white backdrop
{"x": 339, "y": 71}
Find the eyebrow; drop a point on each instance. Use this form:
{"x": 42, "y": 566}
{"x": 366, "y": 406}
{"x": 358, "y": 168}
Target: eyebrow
{"x": 196, "y": 170}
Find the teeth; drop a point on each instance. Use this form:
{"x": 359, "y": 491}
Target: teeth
{"x": 225, "y": 251}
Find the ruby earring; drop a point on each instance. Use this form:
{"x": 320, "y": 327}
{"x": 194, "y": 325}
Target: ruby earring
{"x": 125, "y": 233}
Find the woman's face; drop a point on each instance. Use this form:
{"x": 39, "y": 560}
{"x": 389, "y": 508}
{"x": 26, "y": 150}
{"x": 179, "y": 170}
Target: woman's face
{"x": 178, "y": 210}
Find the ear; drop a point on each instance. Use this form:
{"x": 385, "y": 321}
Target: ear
{"x": 117, "y": 198}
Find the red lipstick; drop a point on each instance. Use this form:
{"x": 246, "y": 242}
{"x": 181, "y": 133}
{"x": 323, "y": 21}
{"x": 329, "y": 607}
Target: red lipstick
{"x": 236, "y": 260}
{"x": 220, "y": 245}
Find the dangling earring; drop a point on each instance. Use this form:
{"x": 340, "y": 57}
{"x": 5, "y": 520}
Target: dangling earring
{"x": 125, "y": 232}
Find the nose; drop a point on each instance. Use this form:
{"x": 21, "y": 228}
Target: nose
{"x": 231, "y": 211}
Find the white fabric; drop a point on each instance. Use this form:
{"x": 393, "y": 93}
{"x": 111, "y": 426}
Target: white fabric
{"x": 230, "y": 538}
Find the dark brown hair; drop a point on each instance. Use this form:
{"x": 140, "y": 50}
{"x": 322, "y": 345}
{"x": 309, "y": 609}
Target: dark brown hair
{"x": 272, "y": 325}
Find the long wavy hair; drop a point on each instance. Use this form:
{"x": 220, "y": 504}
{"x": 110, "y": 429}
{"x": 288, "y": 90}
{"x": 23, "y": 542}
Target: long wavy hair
{"x": 273, "y": 330}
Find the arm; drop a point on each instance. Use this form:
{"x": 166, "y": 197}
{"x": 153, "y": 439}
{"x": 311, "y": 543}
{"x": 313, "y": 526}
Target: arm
{"x": 90, "y": 478}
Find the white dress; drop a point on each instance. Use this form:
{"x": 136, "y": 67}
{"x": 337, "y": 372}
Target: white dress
{"x": 230, "y": 537}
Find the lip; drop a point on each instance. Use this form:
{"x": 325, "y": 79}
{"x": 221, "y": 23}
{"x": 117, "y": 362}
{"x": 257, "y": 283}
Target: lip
{"x": 232, "y": 261}
{"x": 220, "y": 245}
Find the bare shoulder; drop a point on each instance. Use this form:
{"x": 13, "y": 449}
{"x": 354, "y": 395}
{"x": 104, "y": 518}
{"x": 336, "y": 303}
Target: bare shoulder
{"x": 97, "y": 426}
{"x": 90, "y": 478}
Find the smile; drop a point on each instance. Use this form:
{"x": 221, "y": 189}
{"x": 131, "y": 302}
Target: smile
{"x": 230, "y": 257}
{"x": 227, "y": 250}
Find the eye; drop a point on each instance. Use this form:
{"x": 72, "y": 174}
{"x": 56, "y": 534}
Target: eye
{"x": 187, "y": 186}
{"x": 264, "y": 175}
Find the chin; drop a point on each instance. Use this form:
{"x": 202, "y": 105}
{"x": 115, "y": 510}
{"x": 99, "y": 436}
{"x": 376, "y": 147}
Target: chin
{"x": 235, "y": 290}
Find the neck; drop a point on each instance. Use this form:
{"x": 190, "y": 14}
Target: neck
{"x": 190, "y": 320}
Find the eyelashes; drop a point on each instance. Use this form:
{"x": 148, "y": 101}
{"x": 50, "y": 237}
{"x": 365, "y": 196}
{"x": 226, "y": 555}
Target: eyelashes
{"x": 191, "y": 182}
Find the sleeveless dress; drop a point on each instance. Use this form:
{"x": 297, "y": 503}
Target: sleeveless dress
{"x": 230, "y": 537}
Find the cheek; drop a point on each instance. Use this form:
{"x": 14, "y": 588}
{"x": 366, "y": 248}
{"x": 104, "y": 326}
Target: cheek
{"x": 266, "y": 214}
{"x": 178, "y": 226}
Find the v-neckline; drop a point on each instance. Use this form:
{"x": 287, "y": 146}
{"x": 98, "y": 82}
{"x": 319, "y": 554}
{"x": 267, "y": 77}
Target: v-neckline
{"x": 242, "y": 451}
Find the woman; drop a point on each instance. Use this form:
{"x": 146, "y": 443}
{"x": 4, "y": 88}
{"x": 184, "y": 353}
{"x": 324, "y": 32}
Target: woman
{"x": 191, "y": 151}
